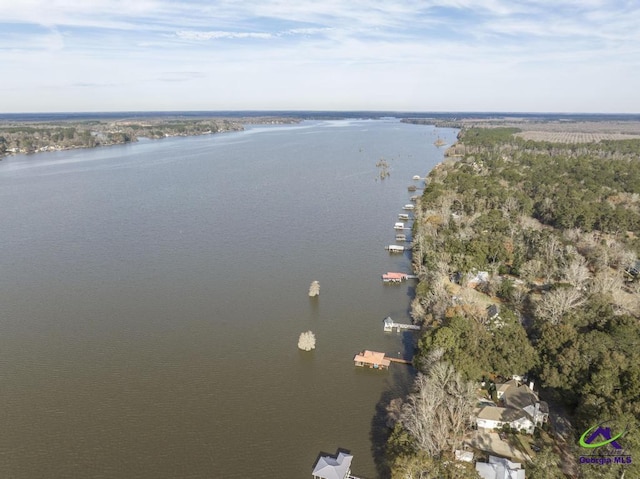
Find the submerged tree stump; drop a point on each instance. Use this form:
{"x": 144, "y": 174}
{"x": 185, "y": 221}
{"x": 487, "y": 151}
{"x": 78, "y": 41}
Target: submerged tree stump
{"x": 307, "y": 341}
{"x": 314, "y": 289}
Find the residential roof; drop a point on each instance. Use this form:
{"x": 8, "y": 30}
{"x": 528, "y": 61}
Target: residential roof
{"x": 499, "y": 468}
{"x": 333, "y": 466}
{"x": 501, "y": 414}
{"x": 521, "y": 396}
{"x": 465, "y": 456}
{"x": 503, "y": 387}
{"x": 372, "y": 357}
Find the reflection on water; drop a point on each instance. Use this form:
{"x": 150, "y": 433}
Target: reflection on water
{"x": 153, "y": 295}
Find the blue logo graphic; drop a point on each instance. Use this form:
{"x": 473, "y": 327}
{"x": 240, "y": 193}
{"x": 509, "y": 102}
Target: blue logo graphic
{"x": 590, "y": 435}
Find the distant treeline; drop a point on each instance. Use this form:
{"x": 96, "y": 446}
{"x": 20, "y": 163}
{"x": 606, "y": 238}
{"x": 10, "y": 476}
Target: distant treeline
{"x": 440, "y": 123}
{"x": 23, "y": 137}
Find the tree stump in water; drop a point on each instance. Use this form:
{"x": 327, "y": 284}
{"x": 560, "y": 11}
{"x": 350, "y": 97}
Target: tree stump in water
{"x": 314, "y": 289}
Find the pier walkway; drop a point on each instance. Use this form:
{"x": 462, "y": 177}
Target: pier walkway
{"x": 390, "y": 325}
{"x": 398, "y": 360}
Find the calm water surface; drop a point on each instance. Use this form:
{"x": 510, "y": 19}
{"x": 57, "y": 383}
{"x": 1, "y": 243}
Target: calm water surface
{"x": 153, "y": 295}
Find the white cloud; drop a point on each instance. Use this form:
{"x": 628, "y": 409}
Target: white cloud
{"x": 194, "y": 35}
{"x": 411, "y": 50}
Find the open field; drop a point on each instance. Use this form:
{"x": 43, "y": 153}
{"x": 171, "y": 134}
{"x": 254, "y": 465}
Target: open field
{"x": 560, "y": 131}
{"x": 573, "y": 136}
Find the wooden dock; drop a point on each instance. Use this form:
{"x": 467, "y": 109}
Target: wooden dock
{"x": 399, "y": 360}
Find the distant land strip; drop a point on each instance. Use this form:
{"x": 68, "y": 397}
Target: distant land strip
{"x": 21, "y": 137}
{"x": 552, "y": 129}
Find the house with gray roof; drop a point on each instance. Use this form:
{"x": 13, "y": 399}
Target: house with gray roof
{"x": 520, "y": 408}
{"x": 522, "y": 397}
{"x": 333, "y": 466}
{"x": 500, "y": 468}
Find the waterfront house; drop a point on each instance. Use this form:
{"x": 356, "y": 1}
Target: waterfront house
{"x": 333, "y": 466}
{"x": 521, "y": 409}
{"x": 371, "y": 359}
{"x": 494, "y": 417}
{"x": 522, "y": 397}
{"x": 500, "y": 468}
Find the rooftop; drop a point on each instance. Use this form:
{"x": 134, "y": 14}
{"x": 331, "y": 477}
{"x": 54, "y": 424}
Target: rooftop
{"x": 372, "y": 357}
{"x": 502, "y": 414}
{"x": 333, "y": 466}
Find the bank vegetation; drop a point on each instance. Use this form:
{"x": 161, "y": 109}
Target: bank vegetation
{"x": 527, "y": 254}
{"x": 33, "y": 137}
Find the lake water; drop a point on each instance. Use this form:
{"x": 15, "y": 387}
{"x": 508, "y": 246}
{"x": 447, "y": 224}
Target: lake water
{"x": 153, "y": 295}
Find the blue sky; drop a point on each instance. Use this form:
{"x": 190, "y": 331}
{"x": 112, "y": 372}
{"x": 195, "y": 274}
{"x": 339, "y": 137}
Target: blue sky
{"x": 409, "y": 55}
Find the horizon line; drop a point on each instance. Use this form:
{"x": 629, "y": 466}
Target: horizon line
{"x": 301, "y": 111}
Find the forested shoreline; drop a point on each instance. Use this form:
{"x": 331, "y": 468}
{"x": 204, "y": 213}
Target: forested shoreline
{"x": 33, "y": 137}
{"x": 548, "y": 235}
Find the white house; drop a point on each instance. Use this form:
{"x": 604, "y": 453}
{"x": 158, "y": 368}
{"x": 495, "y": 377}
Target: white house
{"x": 493, "y": 417}
{"x": 499, "y": 468}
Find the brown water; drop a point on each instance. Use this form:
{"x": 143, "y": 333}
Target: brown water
{"x": 153, "y": 294}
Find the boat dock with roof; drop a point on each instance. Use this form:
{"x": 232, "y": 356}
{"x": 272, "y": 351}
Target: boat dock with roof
{"x": 392, "y": 277}
{"x": 371, "y": 359}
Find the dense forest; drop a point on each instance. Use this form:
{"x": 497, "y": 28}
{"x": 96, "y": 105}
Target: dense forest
{"x": 547, "y": 235}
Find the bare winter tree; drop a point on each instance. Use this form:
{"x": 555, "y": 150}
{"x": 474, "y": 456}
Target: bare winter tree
{"x": 518, "y": 297}
{"x": 607, "y": 282}
{"x": 552, "y": 248}
{"x": 418, "y": 311}
{"x": 431, "y": 359}
{"x": 572, "y": 234}
{"x": 625, "y": 258}
{"x": 438, "y": 299}
{"x": 556, "y": 303}
{"x": 472, "y": 308}
{"x": 577, "y": 273}
{"x": 531, "y": 270}
{"x": 437, "y": 414}
{"x": 597, "y": 255}
{"x": 618, "y": 255}
{"x": 611, "y": 283}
